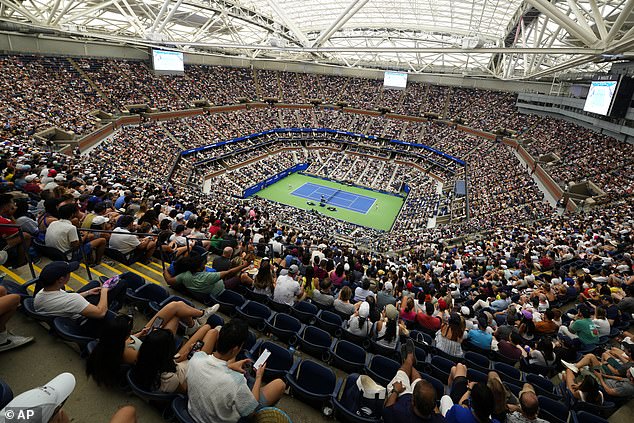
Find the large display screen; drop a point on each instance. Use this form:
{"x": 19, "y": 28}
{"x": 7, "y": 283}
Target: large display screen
{"x": 168, "y": 61}
{"x": 600, "y": 97}
{"x": 397, "y": 80}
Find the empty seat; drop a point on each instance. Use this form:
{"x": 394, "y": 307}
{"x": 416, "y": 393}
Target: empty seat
{"x": 284, "y": 326}
{"x": 394, "y": 352}
{"x": 330, "y": 322}
{"x": 357, "y": 339}
{"x": 382, "y": 369}
{"x": 507, "y": 372}
{"x": 279, "y": 362}
{"x": 477, "y": 361}
{"x": 313, "y": 383}
{"x": 179, "y": 408}
{"x": 347, "y": 356}
{"x": 315, "y": 341}
{"x": 585, "y": 417}
{"x": 553, "y": 411}
{"x": 543, "y": 386}
{"x": 279, "y": 307}
{"x": 255, "y": 314}
{"x": 476, "y": 376}
{"x": 228, "y": 300}
{"x": 149, "y": 292}
{"x": 254, "y": 296}
{"x": 306, "y": 312}
{"x": 440, "y": 368}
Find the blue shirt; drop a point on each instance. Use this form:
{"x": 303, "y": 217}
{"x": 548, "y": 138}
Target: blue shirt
{"x": 459, "y": 414}
{"x": 119, "y": 202}
{"x": 499, "y": 305}
{"x": 480, "y": 338}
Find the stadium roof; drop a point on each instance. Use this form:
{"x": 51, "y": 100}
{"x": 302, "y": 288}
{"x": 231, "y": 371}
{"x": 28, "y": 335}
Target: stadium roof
{"x": 506, "y": 39}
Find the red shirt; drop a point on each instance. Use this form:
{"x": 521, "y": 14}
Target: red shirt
{"x": 4, "y": 231}
{"x": 428, "y": 322}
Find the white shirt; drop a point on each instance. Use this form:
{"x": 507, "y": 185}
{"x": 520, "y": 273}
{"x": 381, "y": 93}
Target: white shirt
{"x": 60, "y": 234}
{"x": 121, "y": 240}
{"x": 60, "y": 303}
{"x": 286, "y": 289}
{"x": 216, "y": 393}
{"x": 603, "y": 325}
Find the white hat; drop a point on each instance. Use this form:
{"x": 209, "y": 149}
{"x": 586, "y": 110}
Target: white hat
{"x": 99, "y": 220}
{"x": 60, "y": 178}
{"x": 388, "y": 286}
{"x": 30, "y": 178}
{"x": 179, "y": 216}
{"x": 364, "y": 310}
{"x": 321, "y": 246}
{"x": 47, "y": 398}
{"x": 346, "y": 267}
{"x": 464, "y": 310}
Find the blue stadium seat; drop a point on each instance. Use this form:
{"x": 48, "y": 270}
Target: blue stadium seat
{"x": 179, "y": 408}
{"x": 347, "y": 403}
{"x": 357, "y": 339}
{"x": 349, "y": 357}
{"x": 151, "y": 396}
{"x": 306, "y": 312}
{"x": 381, "y": 369}
{"x": 29, "y": 309}
{"x": 6, "y": 394}
{"x": 585, "y": 417}
{"x": 552, "y": 410}
{"x": 440, "y": 368}
{"x": 253, "y": 296}
{"x": 439, "y": 387}
{"x": 285, "y": 327}
{"x": 477, "y": 361}
{"x": 278, "y": 364}
{"x": 330, "y": 322}
{"x": 255, "y": 314}
{"x": 474, "y": 375}
{"x": 394, "y": 353}
{"x": 279, "y": 307}
{"x": 313, "y": 383}
{"x": 315, "y": 341}
{"x": 543, "y": 386}
{"x": 229, "y": 301}
{"x": 507, "y": 372}
{"x": 146, "y": 293}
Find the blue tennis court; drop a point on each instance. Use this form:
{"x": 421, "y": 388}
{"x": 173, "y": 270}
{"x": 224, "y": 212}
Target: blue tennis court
{"x": 335, "y": 197}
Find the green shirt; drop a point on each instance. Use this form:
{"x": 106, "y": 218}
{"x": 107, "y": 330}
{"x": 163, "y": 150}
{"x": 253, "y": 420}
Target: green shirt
{"x": 202, "y": 282}
{"x": 586, "y": 330}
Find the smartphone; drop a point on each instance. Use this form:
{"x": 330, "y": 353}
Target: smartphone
{"x": 111, "y": 283}
{"x": 197, "y": 347}
{"x": 262, "y": 359}
{"x": 158, "y": 322}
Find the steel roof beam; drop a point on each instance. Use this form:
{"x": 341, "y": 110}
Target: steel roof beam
{"x": 348, "y": 12}
{"x": 301, "y": 38}
{"x": 556, "y": 15}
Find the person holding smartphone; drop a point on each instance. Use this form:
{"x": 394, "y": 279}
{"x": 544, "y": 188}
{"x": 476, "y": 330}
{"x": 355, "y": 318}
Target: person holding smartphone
{"x": 217, "y": 389}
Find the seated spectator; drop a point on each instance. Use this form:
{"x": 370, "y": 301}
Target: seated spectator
{"x": 342, "y": 303}
{"x": 363, "y": 291}
{"x": 217, "y": 389}
{"x": 91, "y": 301}
{"x": 323, "y": 295}
{"x": 512, "y": 348}
{"x": 529, "y": 407}
{"x": 582, "y": 328}
{"x": 587, "y": 390}
{"x": 359, "y": 323}
{"x": 160, "y": 368}
{"x": 427, "y": 320}
{"x": 264, "y": 282}
{"x": 9, "y": 304}
{"x": 601, "y": 322}
{"x": 480, "y": 398}
{"x": 17, "y": 247}
{"x": 480, "y": 337}
{"x": 385, "y": 296}
{"x": 194, "y": 277}
{"x": 546, "y": 326}
{"x": 614, "y": 371}
{"x": 411, "y": 398}
{"x": 223, "y": 262}
{"x": 389, "y": 328}
{"x": 449, "y": 337}
{"x": 287, "y": 289}
{"x": 131, "y": 245}
{"x": 407, "y": 309}
{"x": 338, "y": 276}
{"x": 63, "y": 236}
{"x": 543, "y": 354}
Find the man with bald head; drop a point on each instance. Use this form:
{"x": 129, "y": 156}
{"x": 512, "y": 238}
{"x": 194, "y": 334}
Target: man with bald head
{"x": 223, "y": 263}
{"x": 529, "y": 407}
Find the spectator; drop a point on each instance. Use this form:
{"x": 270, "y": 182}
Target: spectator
{"x": 480, "y": 337}
{"x": 216, "y": 387}
{"x": 449, "y": 337}
{"x": 63, "y": 236}
{"x": 359, "y": 324}
{"x": 342, "y": 303}
{"x": 480, "y": 410}
{"x": 427, "y": 320}
{"x": 323, "y": 295}
{"x": 287, "y": 289}
{"x": 139, "y": 247}
{"x": 529, "y": 407}
{"x": 9, "y": 303}
{"x": 582, "y": 328}
{"x": 264, "y": 283}
{"x": 195, "y": 279}
{"x": 384, "y": 296}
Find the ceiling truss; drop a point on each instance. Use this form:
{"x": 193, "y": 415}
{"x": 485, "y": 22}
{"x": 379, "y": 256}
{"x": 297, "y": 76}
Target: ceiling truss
{"x": 505, "y": 39}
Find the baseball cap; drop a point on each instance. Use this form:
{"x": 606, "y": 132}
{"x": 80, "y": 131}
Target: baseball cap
{"x": 47, "y": 397}
{"x": 31, "y": 178}
{"x": 364, "y": 309}
{"x": 99, "y": 220}
{"x": 56, "y": 270}
{"x": 52, "y": 173}
{"x": 391, "y": 312}
{"x": 464, "y": 310}
{"x": 293, "y": 269}
{"x": 388, "y": 286}
{"x": 527, "y": 314}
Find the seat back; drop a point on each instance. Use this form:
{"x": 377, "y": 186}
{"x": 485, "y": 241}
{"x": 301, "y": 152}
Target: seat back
{"x": 315, "y": 378}
{"x": 440, "y": 368}
{"x": 285, "y": 321}
{"x": 254, "y": 313}
{"x": 152, "y": 292}
{"x": 279, "y": 307}
{"x": 228, "y": 301}
{"x": 306, "y": 312}
{"x": 585, "y": 417}
{"x": 351, "y": 406}
{"x": 117, "y": 255}
{"x": 476, "y": 376}
{"x": 317, "y": 336}
{"x": 439, "y": 387}
{"x": 146, "y": 394}
{"x": 179, "y": 407}
{"x": 382, "y": 369}
{"x": 280, "y": 359}
{"x": 553, "y": 411}
{"x": 329, "y": 322}
{"x": 254, "y": 296}
{"x": 50, "y": 252}
{"x": 6, "y": 394}
{"x": 507, "y": 371}
{"x": 477, "y": 361}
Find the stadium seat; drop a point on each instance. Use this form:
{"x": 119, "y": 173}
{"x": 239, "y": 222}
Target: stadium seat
{"x": 279, "y": 307}
{"x": 285, "y": 327}
{"x": 278, "y": 364}
{"x": 161, "y": 398}
{"x": 394, "y": 353}
{"x": 118, "y": 256}
{"x": 381, "y": 369}
{"x": 229, "y": 301}
{"x": 440, "y": 368}
{"x": 78, "y": 331}
{"x": 313, "y": 383}
{"x": 476, "y": 376}
{"x": 156, "y": 307}
{"x": 543, "y": 386}
{"x": 16, "y": 288}
{"x": 29, "y": 309}
{"x": 350, "y": 407}
{"x": 6, "y": 394}
{"x": 306, "y": 312}
{"x": 347, "y": 356}
{"x": 357, "y": 339}
{"x": 546, "y": 371}
{"x": 552, "y": 410}
{"x": 330, "y": 322}
{"x": 496, "y": 356}
{"x": 50, "y": 252}
{"x": 253, "y": 296}
{"x": 585, "y": 417}
{"x": 477, "y": 361}
{"x": 315, "y": 341}
{"x": 507, "y": 372}
{"x": 422, "y": 340}
{"x": 179, "y": 408}
{"x": 439, "y": 387}
{"x": 255, "y": 314}
{"x": 146, "y": 293}
{"x": 468, "y": 346}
